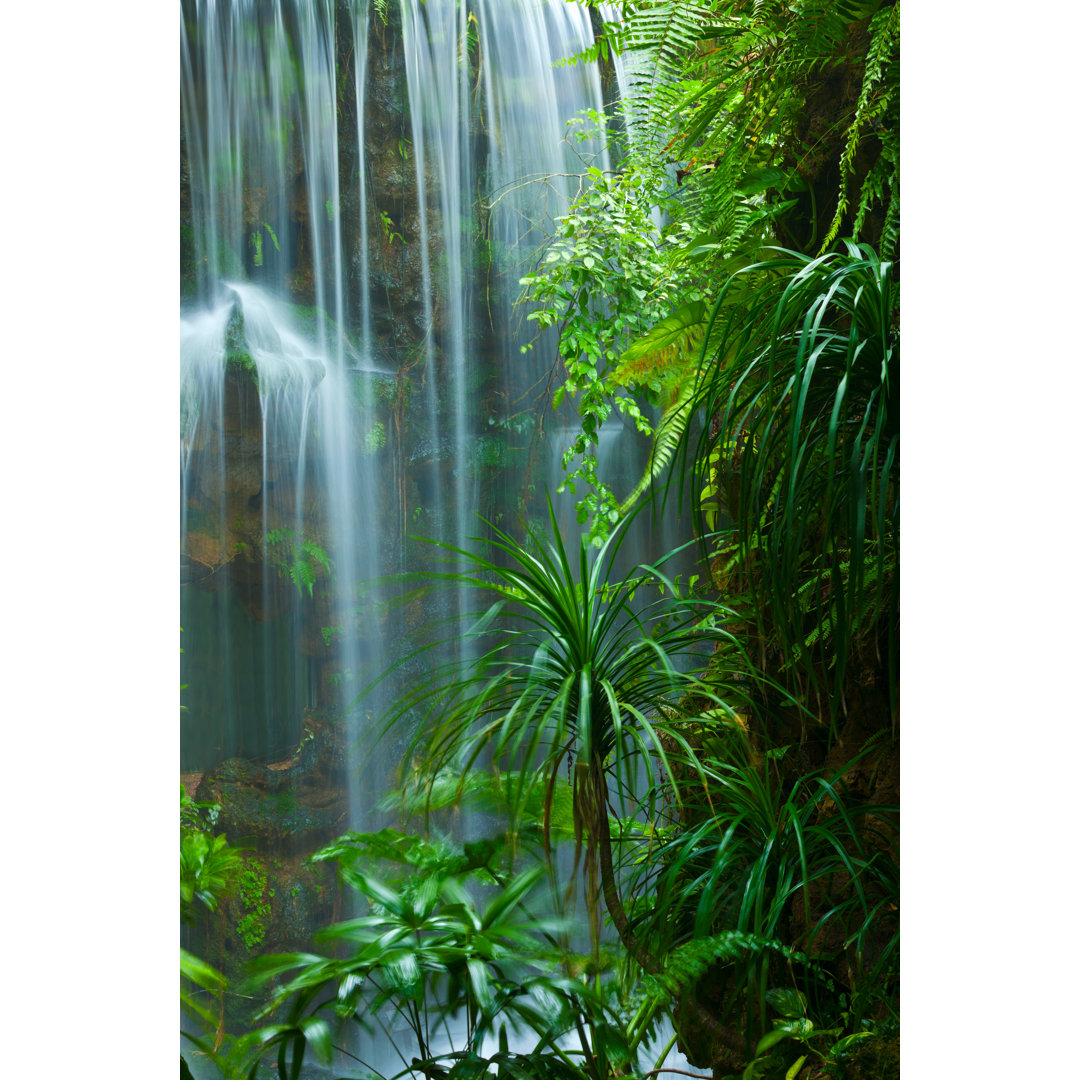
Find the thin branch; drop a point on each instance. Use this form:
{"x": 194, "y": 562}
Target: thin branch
{"x": 681, "y": 1072}
{"x": 342, "y": 1050}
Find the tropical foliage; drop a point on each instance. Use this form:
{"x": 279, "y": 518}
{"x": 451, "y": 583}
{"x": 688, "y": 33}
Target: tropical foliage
{"x": 574, "y": 678}
{"x": 803, "y": 456}
{"x": 462, "y": 975}
{"x": 719, "y": 867}
{"x": 715, "y": 755}
{"x": 780, "y": 123}
{"x": 208, "y": 866}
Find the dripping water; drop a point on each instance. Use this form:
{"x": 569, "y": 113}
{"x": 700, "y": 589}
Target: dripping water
{"x": 296, "y": 488}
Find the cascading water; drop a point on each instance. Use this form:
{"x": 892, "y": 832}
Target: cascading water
{"x": 276, "y": 524}
{"x": 358, "y": 203}
{"x": 350, "y": 348}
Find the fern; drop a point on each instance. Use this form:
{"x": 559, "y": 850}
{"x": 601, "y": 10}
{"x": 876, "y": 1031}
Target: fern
{"x": 688, "y": 964}
{"x": 302, "y": 576}
{"x": 863, "y": 601}
{"x": 875, "y": 99}
{"x": 657, "y": 41}
{"x": 299, "y": 565}
{"x": 669, "y": 349}
{"x": 609, "y": 43}
{"x": 685, "y": 965}
{"x": 747, "y": 106}
{"x": 669, "y": 432}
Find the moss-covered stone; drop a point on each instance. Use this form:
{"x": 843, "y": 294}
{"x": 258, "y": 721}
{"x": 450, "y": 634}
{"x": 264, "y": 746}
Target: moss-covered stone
{"x": 872, "y": 1059}
{"x": 274, "y": 905}
{"x": 300, "y": 801}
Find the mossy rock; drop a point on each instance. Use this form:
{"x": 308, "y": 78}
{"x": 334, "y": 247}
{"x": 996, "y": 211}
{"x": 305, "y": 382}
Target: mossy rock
{"x": 873, "y": 1059}
{"x": 300, "y": 799}
{"x": 275, "y": 904}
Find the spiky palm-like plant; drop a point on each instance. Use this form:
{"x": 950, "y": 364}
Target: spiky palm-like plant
{"x": 567, "y": 674}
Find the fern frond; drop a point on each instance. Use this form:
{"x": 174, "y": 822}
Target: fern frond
{"x": 669, "y": 432}
{"x": 874, "y": 100}
{"x": 656, "y": 45}
{"x": 610, "y": 42}
{"x": 672, "y": 344}
{"x": 686, "y": 964}
{"x": 863, "y": 600}
{"x": 666, "y": 356}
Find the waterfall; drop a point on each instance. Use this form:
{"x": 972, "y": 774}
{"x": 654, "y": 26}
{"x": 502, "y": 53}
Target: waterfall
{"x": 360, "y": 202}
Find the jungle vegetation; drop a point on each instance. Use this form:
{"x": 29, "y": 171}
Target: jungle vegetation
{"x": 718, "y": 755}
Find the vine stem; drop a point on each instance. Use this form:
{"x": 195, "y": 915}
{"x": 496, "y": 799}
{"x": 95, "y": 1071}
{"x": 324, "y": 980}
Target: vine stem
{"x": 681, "y": 1072}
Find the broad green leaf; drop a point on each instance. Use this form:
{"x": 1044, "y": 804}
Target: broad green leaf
{"x": 788, "y": 1003}
{"x": 793, "y": 1072}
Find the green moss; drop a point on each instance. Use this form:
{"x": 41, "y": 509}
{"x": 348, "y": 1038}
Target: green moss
{"x": 375, "y": 439}
{"x": 241, "y": 360}
{"x": 255, "y": 897}
{"x": 385, "y": 388}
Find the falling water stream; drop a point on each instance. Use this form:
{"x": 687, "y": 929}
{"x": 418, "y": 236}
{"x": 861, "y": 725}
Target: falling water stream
{"x": 358, "y": 202}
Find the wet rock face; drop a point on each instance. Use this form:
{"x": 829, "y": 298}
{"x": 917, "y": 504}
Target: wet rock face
{"x": 299, "y": 801}
{"x": 279, "y": 814}
{"x": 236, "y": 474}
{"x": 391, "y": 210}
{"x": 254, "y": 482}
{"x": 274, "y": 904}
{"x": 229, "y": 474}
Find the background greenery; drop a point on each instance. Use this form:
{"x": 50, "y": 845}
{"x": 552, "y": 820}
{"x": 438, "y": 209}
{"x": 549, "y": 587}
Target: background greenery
{"x": 713, "y": 755}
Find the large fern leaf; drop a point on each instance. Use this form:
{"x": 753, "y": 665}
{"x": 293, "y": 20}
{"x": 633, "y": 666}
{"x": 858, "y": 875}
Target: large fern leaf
{"x": 657, "y": 43}
{"x": 666, "y": 357}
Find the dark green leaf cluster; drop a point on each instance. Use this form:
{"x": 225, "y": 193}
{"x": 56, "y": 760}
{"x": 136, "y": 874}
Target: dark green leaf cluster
{"x": 804, "y": 455}
{"x": 208, "y": 864}
{"x": 208, "y": 867}
{"x": 430, "y": 951}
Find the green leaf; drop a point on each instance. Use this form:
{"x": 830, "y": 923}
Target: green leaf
{"x": 793, "y": 1072}
{"x": 317, "y": 1034}
{"x": 844, "y": 1044}
{"x": 200, "y": 972}
{"x": 788, "y": 1003}
{"x": 770, "y": 1040}
{"x": 480, "y": 982}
